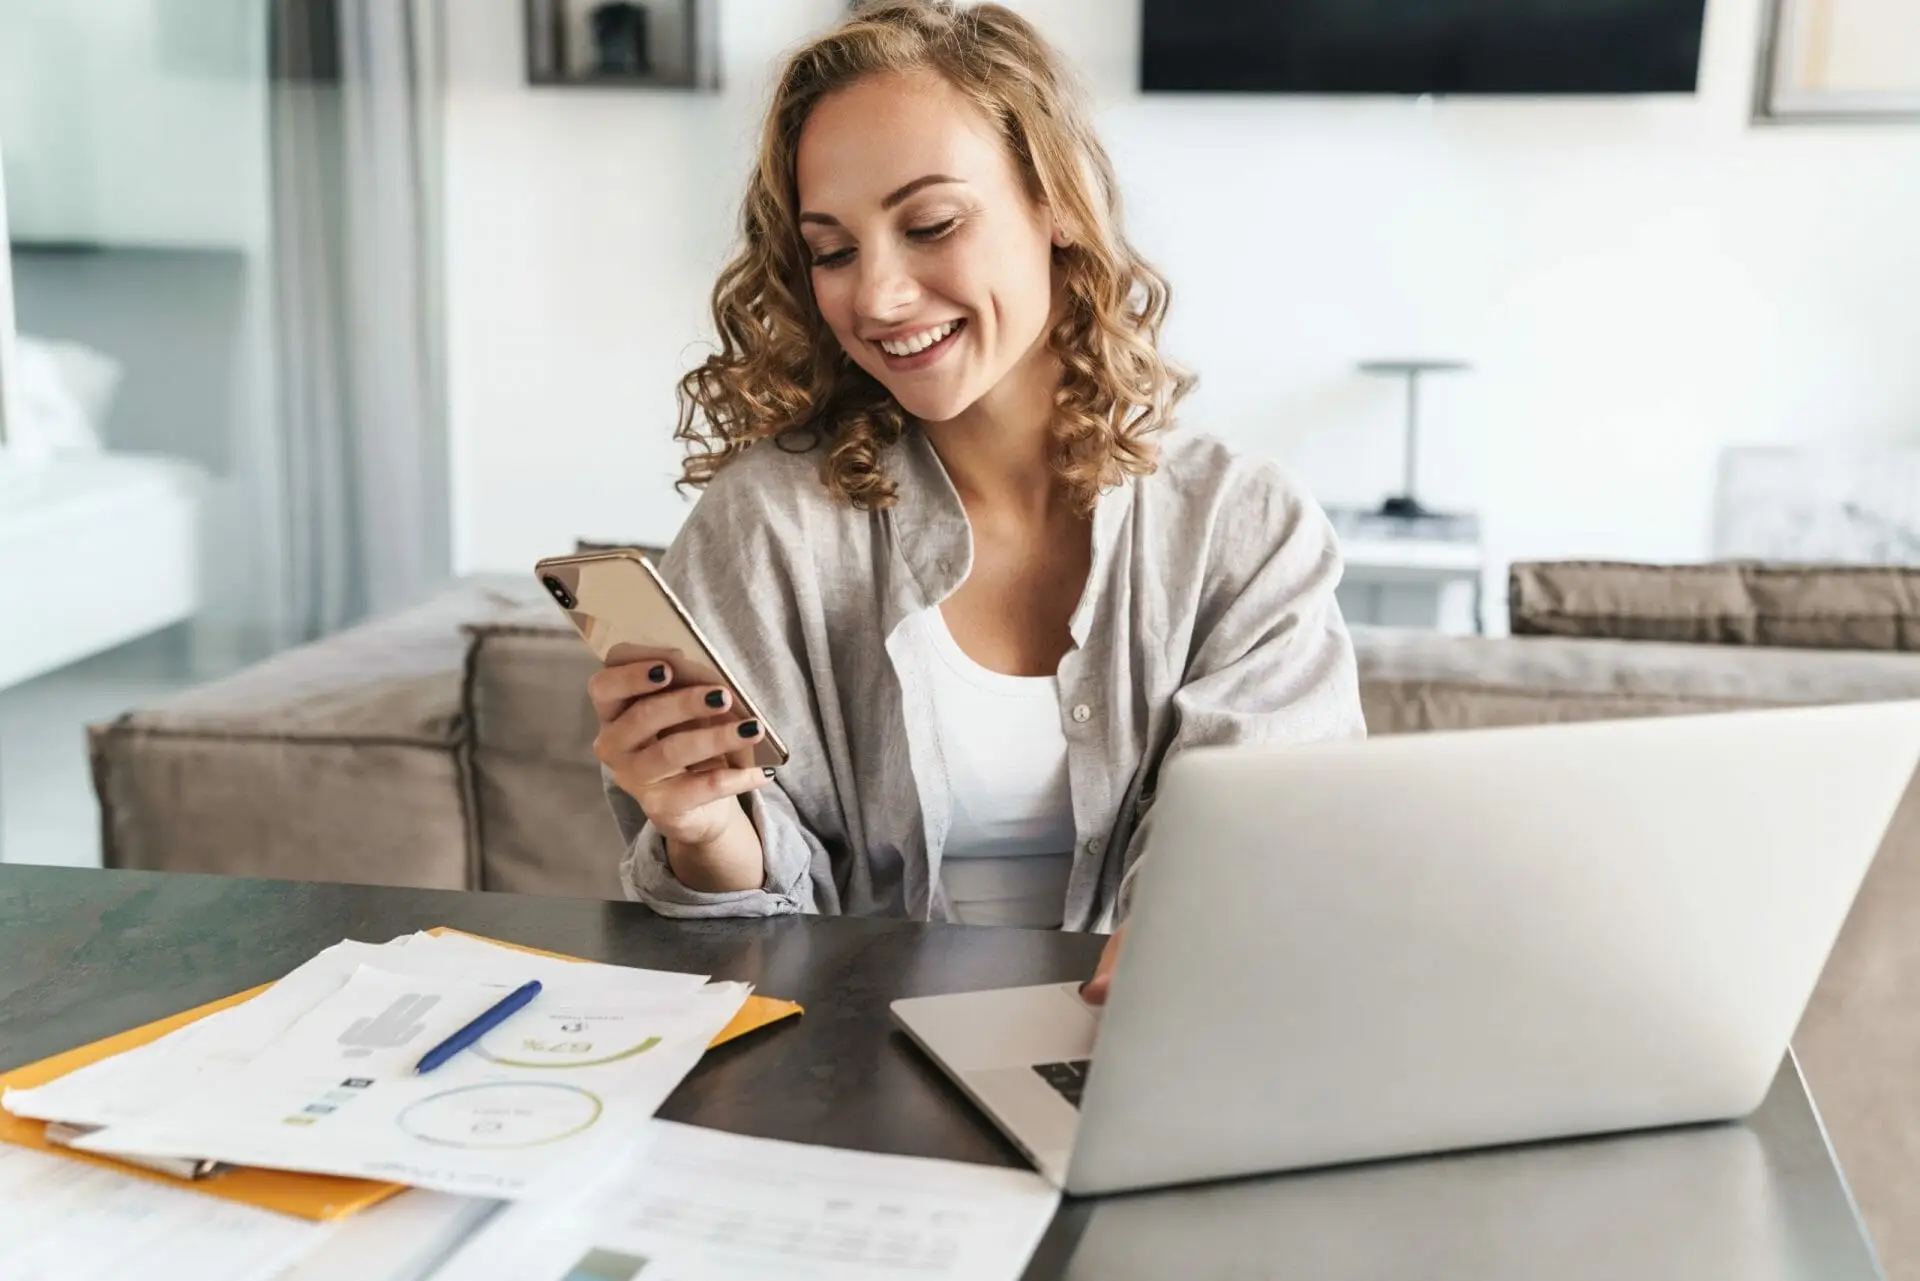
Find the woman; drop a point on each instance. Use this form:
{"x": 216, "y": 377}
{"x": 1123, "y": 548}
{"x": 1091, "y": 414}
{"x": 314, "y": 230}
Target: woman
{"x": 975, "y": 591}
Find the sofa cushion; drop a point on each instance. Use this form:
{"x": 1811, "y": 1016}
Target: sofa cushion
{"x": 363, "y": 813}
{"x": 543, "y": 821}
{"x": 1413, "y": 681}
{"x": 341, "y": 760}
{"x": 1855, "y": 607}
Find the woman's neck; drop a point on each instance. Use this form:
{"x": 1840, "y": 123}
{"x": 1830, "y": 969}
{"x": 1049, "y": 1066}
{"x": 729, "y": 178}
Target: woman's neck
{"x": 997, "y": 451}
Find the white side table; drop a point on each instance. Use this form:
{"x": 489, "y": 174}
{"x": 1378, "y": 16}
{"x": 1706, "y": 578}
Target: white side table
{"x": 1424, "y": 571}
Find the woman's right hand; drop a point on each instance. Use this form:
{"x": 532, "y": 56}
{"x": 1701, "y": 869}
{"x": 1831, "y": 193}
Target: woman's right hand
{"x": 666, "y": 750}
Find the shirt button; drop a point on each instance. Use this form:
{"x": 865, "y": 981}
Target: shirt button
{"x": 1095, "y": 845}
{"x": 1082, "y": 713}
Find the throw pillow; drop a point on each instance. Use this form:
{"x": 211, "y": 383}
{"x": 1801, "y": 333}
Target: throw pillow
{"x": 1860, "y": 607}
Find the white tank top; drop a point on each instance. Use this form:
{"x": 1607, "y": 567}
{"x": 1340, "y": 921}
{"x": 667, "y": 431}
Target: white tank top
{"x": 1009, "y": 849}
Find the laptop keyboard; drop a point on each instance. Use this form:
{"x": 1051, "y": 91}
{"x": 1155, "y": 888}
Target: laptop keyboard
{"x": 1069, "y": 1079}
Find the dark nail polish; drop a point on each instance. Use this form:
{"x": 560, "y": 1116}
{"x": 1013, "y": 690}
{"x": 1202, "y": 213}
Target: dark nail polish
{"x": 717, "y": 698}
{"x": 767, "y": 772}
{"x": 749, "y": 728}
{"x": 657, "y": 673}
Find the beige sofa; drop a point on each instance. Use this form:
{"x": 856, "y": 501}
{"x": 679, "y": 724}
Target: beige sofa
{"x": 448, "y": 746}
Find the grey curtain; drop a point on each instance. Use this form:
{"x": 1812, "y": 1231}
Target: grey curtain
{"x": 358, "y": 339}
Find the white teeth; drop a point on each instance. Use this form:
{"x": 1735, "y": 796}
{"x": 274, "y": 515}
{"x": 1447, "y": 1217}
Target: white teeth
{"x": 920, "y": 341}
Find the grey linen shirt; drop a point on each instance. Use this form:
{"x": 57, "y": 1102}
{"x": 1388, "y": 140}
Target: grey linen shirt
{"x": 1208, "y": 618}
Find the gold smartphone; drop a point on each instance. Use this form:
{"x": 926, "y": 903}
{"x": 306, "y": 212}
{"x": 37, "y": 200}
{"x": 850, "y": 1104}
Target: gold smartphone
{"x": 627, "y": 614}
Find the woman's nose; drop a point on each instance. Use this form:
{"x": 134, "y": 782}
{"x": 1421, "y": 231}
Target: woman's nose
{"x": 887, "y": 290}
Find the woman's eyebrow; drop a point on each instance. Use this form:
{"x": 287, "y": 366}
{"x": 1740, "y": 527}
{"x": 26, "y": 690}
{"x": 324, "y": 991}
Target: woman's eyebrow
{"x": 893, "y": 198}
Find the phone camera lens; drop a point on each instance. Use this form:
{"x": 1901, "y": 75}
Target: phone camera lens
{"x": 560, "y": 592}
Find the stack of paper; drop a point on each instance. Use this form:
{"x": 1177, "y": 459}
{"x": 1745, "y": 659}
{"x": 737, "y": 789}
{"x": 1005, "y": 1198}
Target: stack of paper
{"x": 316, "y": 1074}
{"x": 692, "y": 1204}
{"x": 533, "y": 1153}
{"x": 61, "y": 1220}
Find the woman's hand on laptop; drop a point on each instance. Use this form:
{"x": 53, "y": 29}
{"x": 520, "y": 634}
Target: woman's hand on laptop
{"x": 1094, "y": 990}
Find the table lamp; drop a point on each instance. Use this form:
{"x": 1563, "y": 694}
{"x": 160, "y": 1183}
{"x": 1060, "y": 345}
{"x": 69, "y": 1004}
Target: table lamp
{"x": 1405, "y": 505}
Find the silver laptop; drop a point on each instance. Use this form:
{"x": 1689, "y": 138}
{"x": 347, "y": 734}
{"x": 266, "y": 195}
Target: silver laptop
{"x": 1414, "y": 944}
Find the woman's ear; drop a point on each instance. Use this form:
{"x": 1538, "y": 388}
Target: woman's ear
{"x": 1061, "y": 237}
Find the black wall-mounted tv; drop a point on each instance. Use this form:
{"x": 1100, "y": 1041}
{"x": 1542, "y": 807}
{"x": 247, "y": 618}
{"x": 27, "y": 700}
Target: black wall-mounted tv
{"x": 1422, "y": 46}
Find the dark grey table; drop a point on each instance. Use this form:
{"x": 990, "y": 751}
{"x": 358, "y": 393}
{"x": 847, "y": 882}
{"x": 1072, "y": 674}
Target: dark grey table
{"x": 84, "y": 954}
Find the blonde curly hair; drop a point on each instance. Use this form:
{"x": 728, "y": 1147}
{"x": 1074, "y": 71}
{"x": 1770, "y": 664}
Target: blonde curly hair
{"x": 780, "y": 370}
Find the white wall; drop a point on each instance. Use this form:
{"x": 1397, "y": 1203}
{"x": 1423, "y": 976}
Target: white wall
{"x": 584, "y": 231}
{"x": 1640, "y": 282}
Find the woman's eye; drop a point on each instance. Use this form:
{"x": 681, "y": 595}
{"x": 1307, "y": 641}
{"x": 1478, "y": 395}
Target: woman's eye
{"x": 931, "y": 232}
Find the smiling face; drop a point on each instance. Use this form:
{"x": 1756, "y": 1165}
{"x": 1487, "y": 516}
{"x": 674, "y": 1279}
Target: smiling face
{"x": 930, "y": 261}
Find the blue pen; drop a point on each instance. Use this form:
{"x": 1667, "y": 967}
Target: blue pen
{"x": 499, "y": 1013}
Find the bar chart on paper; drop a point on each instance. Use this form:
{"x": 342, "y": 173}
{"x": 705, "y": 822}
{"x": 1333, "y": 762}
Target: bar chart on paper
{"x": 868, "y": 1227}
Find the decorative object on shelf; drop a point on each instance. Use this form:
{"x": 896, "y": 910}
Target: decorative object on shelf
{"x": 1408, "y": 565}
{"x": 1370, "y": 524}
{"x": 659, "y": 44}
{"x": 1425, "y": 572}
{"x": 1406, "y": 505}
{"x": 1838, "y": 60}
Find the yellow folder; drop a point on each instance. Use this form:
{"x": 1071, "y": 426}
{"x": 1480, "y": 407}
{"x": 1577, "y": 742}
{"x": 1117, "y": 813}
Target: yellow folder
{"x": 306, "y": 1196}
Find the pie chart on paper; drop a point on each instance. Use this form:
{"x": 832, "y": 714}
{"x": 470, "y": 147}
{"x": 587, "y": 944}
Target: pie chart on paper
{"x": 507, "y": 1114}
{"x": 564, "y": 1039}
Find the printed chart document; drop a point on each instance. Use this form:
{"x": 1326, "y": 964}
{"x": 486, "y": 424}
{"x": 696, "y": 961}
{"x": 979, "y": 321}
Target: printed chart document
{"x": 63, "y": 1220}
{"x": 404, "y": 1238}
{"x": 584, "y": 1065}
{"x": 691, "y": 1204}
{"x": 129, "y": 1086}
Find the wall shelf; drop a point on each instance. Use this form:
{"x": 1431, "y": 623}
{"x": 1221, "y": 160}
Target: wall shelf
{"x": 622, "y": 44}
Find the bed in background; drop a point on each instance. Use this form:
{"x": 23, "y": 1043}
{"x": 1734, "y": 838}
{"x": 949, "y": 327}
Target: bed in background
{"x": 95, "y": 550}
{"x": 101, "y": 522}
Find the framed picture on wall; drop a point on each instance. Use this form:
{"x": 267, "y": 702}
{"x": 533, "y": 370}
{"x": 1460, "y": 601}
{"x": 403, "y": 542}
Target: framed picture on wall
{"x": 634, "y": 44}
{"x": 1839, "y": 60}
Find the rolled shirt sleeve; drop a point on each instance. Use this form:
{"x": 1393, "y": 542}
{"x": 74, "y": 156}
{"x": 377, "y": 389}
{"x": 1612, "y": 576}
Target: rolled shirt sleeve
{"x": 792, "y": 855}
